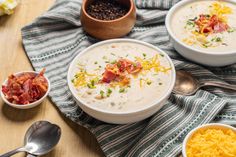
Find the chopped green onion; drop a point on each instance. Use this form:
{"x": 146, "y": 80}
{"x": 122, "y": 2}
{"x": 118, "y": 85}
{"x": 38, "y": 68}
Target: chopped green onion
{"x": 92, "y": 82}
{"x": 109, "y": 91}
{"x": 218, "y": 39}
{"x": 230, "y": 30}
{"x": 122, "y": 90}
{"x": 102, "y": 93}
{"x": 90, "y": 86}
{"x": 135, "y": 64}
{"x": 190, "y": 23}
{"x": 114, "y": 62}
{"x": 118, "y": 65}
{"x": 149, "y": 82}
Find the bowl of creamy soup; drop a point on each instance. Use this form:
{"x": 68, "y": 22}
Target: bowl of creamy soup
{"x": 121, "y": 80}
{"x": 204, "y": 31}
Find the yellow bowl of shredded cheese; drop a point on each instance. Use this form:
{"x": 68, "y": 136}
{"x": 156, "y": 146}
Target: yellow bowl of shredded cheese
{"x": 210, "y": 140}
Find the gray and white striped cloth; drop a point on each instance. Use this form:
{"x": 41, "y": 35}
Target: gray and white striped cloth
{"x": 56, "y": 37}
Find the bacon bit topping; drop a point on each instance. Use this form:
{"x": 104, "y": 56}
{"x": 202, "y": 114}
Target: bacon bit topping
{"x": 118, "y": 71}
{"x": 211, "y": 24}
{"x": 25, "y": 88}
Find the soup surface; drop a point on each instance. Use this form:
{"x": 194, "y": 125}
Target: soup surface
{"x": 207, "y": 25}
{"x": 121, "y": 76}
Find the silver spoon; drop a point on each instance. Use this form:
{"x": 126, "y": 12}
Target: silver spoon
{"x": 186, "y": 84}
{"x": 40, "y": 139}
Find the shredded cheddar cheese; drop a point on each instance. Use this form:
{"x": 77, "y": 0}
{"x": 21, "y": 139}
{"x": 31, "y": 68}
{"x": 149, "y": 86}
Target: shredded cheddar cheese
{"x": 212, "y": 143}
{"x": 82, "y": 78}
{"x": 152, "y": 63}
{"x": 220, "y": 9}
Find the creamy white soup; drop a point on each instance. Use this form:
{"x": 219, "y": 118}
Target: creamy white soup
{"x": 122, "y": 76}
{"x": 207, "y": 25}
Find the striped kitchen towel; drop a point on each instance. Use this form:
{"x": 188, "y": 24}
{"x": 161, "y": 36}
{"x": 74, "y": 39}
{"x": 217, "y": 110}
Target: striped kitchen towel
{"x": 56, "y": 37}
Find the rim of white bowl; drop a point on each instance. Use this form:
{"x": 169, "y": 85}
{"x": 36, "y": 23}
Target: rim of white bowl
{"x": 169, "y": 30}
{"x": 168, "y": 92}
{"x": 202, "y": 127}
{"x": 25, "y": 106}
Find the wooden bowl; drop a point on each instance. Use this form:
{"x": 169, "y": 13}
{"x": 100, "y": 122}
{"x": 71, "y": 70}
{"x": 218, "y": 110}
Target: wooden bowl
{"x": 102, "y": 29}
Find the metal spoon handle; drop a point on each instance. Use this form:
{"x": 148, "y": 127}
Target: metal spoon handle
{"x": 22, "y": 149}
{"x": 219, "y": 84}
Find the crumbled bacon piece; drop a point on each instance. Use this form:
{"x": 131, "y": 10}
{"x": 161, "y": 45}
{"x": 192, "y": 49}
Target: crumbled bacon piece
{"x": 109, "y": 74}
{"x": 25, "y": 88}
{"x": 129, "y": 66}
{"x": 119, "y": 70}
{"x": 211, "y": 24}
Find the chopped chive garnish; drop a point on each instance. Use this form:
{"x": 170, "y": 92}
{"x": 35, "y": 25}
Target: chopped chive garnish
{"x": 218, "y": 39}
{"x": 109, "y": 91}
{"x": 99, "y": 66}
{"x": 114, "y": 62}
{"x": 118, "y": 65}
{"x": 149, "y": 82}
{"x": 160, "y": 83}
{"x": 162, "y": 55}
{"x": 90, "y": 86}
{"x": 113, "y": 54}
{"x": 230, "y": 30}
{"x": 135, "y": 64}
{"x": 205, "y": 45}
{"x": 102, "y": 93}
{"x": 96, "y": 62}
{"x": 144, "y": 55}
{"x": 122, "y": 90}
{"x": 190, "y": 23}
{"x": 92, "y": 82}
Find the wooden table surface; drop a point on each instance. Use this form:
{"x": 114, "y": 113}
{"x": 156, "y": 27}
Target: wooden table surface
{"x": 75, "y": 141}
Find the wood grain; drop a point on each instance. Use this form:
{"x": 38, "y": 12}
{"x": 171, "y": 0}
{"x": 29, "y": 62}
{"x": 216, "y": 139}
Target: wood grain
{"x": 75, "y": 141}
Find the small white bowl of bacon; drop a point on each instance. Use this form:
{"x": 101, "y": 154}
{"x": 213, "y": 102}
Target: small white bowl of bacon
{"x": 24, "y": 90}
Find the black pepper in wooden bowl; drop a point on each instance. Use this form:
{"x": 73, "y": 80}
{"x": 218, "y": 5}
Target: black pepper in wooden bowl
{"x": 106, "y": 10}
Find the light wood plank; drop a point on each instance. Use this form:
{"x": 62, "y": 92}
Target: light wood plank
{"x": 75, "y": 141}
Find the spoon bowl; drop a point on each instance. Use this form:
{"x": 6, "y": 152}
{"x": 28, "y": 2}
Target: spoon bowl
{"x": 39, "y": 139}
{"x": 42, "y": 137}
{"x": 186, "y": 84}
